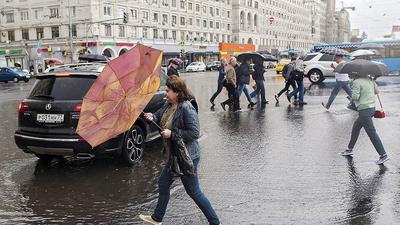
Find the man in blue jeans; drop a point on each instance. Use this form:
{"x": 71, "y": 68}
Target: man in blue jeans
{"x": 298, "y": 75}
{"x": 258, "y": 76}
{"x": 243, "y": 81}
{"x": 342, "y": 82}
{"x": 221, "y": 76}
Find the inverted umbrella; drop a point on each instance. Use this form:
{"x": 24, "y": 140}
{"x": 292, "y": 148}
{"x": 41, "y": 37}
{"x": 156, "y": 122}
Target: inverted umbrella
{"x": 335, "y": 51}
{"x": 362, "y": 68}
{"x": 362, "y": 52}
{"x": 119, "y": 94}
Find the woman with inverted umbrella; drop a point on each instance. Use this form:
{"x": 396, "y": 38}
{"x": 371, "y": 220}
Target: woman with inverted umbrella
{"x": 179, "y": 121}
{"x": 364, "y": 90}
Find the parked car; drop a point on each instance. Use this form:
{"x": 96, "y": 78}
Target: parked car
{"x": 213, "y": 65}
{"x": 13, "y": 74}
{"x": 317, "y": 66}
{"x": 196, "y": 66}
{"x": 48, "y": 118}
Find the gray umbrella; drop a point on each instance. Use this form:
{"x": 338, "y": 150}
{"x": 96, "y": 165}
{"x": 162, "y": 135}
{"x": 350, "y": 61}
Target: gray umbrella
{"x": 335, "y": 51}
{"x": 362, "y": 68}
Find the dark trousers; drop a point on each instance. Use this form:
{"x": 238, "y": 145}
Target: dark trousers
{"x": 219, "y": 89}
{"x": 299, "y": 90}
{"x": 231, "y": 96}
{"x": 365, "y": 120}
{"x": 192, "y": 187}
{"x": 289, "y": 83}
{"x": 260, "y": 89}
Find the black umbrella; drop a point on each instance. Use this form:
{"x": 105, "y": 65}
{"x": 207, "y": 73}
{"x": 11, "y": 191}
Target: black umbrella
{"x": 255, "y": 56}
{"x": 335, "y": 51}
{"x": 264, "y": 52}
{"x": 269, "y": 57}
{"x": 362, "y": 68}
{"x": 93, "y": 58}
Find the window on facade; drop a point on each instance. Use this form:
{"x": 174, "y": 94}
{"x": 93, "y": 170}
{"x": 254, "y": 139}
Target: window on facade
{"x": 204, "y": 23}
{"x": 190, "y": 21}
{"x": 107, "y": 29}
{"x": 182, "y": 4}
{"x": 24, "y": 16}
{"x": 11, "y": 35}
{"x": 38, "y": 13}
{"x": 190, "y": 6}
{"x": 74, "y": 32}
{"x": 165, "y": 34}
{"x": 73, "y": 10}
{"x": 228, "y": 14}
{"x": 173, "y": 3}
{"x": 155, "y": 2}
{"x": 197, "y": 8}
{"x": 165, "y": 2}
{"x": 55, "y": 32}
{"x": 211, "y": 24}
{"x": 25, "y": 34}
{"x": 145, "y": 34}
{"x": 107, "y": 10}
{"x": 174, "y": 34}
{"x": 54, "y": 13}
{"x": 256, "y": 5}
{"x": 228, "y": 26}
{"x": 155, "y": 34}
{"x": 145, "y": 16}
{"x": 204, "y": 9}
{"x": 182, "y": 20}
{"x": 155, "y": 17}
{"x": 217, "y": 25}
{"x": 173, "y": 20}
{"x": 39, "y": 33}
{"x": 164, "y": 19}
{"x": 121, "y": 31}
{"x": 211, "y": 11}
{"x": 134, "y": 14}
{"x": 198, "y": 22}
{"x": 217, "y": 12}
{"x": 10, "y": 17}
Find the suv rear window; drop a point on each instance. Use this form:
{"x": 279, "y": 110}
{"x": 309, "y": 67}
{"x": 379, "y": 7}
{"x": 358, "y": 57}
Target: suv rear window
{"x": 61, "y": 88}
{"x": 327, "y": 57}
{"x": 309, "y": 57}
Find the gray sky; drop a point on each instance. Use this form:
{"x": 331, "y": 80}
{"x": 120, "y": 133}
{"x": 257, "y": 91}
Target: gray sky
{"x": 375, "y": 17}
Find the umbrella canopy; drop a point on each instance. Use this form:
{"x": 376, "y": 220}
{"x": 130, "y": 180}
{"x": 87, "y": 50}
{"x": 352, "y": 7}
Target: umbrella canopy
{"x": 371, "y": 45}
{"x": 93, "y": 58}
{"x": 255, "y": 56}
{"x": 362, "y": 68}
{"x": 176, "y": 61}
{"x": 54, "y": 61}
{"x": 269, "y": 57}
{"x": 362, "y": 52}
{"x": 335, "y": 51}
{"x": 266, "y": 52}
{"x": 119, "y": 94}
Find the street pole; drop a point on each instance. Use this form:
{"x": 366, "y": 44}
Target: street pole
{"x": 71, "y": 50}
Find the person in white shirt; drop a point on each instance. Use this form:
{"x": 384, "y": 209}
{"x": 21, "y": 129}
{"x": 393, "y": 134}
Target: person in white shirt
{"x": 342, "y": 82}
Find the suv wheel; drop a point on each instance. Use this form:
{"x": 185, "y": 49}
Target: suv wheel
{"x": 15, "y": 80}
{"x": 133, "y": 148}
{"x": 315, "y": 76}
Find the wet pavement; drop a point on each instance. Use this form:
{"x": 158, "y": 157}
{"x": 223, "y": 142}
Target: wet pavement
{"x": 277, "y": 165}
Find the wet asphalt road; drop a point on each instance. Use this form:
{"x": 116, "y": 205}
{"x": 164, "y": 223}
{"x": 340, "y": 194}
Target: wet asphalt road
{"x": 277, "y": 165}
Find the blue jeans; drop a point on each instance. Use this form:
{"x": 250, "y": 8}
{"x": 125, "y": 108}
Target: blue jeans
{"x": 299, "y": 89}
{"x": 243, "y": 88}
{"x": 339, "y": 85}
{"x": 365, "y": 120}
{"x": 219, "y": 89}
{"x": 192, "y": 187}
{"x": 259, "y": 90}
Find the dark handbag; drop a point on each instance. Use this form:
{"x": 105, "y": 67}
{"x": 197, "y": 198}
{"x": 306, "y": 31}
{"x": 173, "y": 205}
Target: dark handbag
{"x": 379, "y": 113}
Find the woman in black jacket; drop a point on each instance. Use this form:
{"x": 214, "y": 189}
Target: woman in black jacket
{"x": 179, "y": 120}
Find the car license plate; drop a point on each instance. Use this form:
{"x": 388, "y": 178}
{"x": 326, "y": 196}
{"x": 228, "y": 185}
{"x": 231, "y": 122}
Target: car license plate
{"x": 50, "y": 118}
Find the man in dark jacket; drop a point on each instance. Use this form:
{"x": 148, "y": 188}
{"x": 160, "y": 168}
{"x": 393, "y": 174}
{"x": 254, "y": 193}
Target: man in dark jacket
{"x": 258, "y": 76}
{"x": 298, "y": 76}
{"x": 243, "y": 81}
{"x": 221, "y": 76}
{"x": 173, "y": 68}
{"x": 286, "y": 73}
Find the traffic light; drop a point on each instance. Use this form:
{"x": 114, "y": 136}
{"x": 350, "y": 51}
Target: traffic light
{"x": 125, "y": 20}
{"x": 182, "y": 54}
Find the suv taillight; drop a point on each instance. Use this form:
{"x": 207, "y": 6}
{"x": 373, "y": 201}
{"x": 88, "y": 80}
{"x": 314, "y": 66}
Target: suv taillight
{"x": 22, "y": 107}
{"x": 78, "y": 107}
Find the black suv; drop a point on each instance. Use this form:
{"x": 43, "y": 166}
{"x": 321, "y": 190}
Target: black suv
{"x": 48, "y": 118}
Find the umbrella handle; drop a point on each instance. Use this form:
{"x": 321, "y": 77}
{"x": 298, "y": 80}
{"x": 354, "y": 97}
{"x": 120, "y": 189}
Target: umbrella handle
{"x": 152, "y": 121}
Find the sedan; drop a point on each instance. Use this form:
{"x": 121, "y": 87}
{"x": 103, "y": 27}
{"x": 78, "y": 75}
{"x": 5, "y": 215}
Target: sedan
{"x": 13, "y": 74}
{"x": 196, "y": 66}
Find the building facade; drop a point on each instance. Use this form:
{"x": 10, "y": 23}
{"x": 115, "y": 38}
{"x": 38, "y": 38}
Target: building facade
{"x": 35, "y": 30}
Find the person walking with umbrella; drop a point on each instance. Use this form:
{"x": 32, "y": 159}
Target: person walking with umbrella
{"x": 258, "y": 76}
{"x": 173, "y": 68}
{"x": 179, "y": 120}
{"x": 342, "y": 82}
{"x": 364, "y": 90}
{"x": 230, "y": 85}
{"x": 221, "y": 76}
{"x": 298, "y": 76}
{"x": 243, "y": 81}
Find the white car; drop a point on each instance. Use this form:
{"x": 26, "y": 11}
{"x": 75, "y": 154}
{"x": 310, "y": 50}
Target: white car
{"x": 196, "y": 66}
{"x": 317, "y": 66}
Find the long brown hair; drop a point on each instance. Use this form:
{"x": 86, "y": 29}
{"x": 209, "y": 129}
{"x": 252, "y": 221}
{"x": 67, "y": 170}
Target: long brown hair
{"x": 178, "y": 85}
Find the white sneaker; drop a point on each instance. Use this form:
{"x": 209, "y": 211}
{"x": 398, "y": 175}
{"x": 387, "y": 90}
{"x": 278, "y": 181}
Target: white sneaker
{"x": 149, "y": 219}
{"x": 382, "y": 159}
